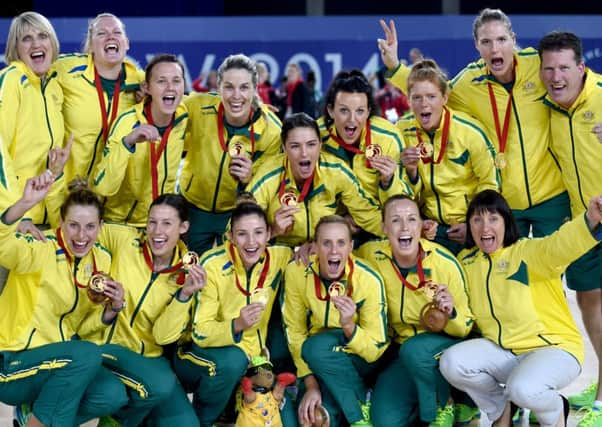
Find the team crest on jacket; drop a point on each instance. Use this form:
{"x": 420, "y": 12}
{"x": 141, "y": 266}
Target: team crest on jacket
{"x": 502, "y": 266}
{"x": 529, "y": 87}
{"x": 588, "y": 116}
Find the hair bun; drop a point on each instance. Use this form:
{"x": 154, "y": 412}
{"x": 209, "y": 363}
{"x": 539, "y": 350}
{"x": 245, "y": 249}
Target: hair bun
{"x": 245, "y": 197}
{"x": 78, "y": 184}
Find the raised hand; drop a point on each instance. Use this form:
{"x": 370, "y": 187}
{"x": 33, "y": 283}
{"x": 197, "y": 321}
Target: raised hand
{"x": 388, "y": 45}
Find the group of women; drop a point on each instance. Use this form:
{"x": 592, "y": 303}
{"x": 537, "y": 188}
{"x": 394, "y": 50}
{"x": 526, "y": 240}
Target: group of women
{"x": 90, "y": 309}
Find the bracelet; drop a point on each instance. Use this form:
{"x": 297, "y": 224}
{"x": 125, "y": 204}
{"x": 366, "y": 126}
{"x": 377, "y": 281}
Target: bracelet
{"x": 116, "y": 310}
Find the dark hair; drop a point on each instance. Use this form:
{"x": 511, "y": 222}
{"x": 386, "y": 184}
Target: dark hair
{"x": 298, "y": 120}
{"x": 158, "y": 59}
{"x": 428, "y": 70}
{"x": 176, "y": 201}
{"x": 81, "y": 195}
{"x": 493, "y": 202}
{"x": 247, "y": 207}
{"x": 331, "y": 219}
{"x": 352, "y": 81}
{"x": 394, "y": 199}
{"x": 559, "y": 40}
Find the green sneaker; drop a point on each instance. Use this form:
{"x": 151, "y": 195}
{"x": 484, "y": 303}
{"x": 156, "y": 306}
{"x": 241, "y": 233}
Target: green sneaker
{"x": 517, "y": 416}
{"x": 108, "y": 421}
{"x": 22, "y": 414}
{"x": 592, "y": 418}
{"x": 585, "y": 398}
{"x": 365, "y": 421}
{"x": 464, "y": 414}
{"x": 445, "y": 417}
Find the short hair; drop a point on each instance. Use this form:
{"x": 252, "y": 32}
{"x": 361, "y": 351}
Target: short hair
{"x": 298, "y": 120}
{"x": 331, "y": 219}
{"x": 158, "y": 59}
{"x": 352, "y": 81}
{"x": 428, "y": 70}
{"x": 240, "y": 62}
{"x": 176, "y": 201}
{"x": 80, "y": 194}
{"x": 560, "y": 40}
{"x": 92, "y": 23}
{"x": 489, "y": 15}
{"x": 493, "y": 202}
{"x": 22, "y": 23}
{"x": 394, "y": 199}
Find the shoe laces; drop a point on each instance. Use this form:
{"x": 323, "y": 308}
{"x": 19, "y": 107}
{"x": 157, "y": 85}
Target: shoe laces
{"x": 442, "y": 416}
{"x": 589, "y": 417}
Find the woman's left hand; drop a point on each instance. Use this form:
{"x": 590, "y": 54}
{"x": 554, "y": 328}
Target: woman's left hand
{"x": 386, "y": 167}
{"x": 115, "y": 292}
{"x": 457, "y": 233}
{"x": 444, "y": 300}
{"x": 57, "y": 158}
{"x": 196, "y": 278}
{"x": 241, "y": 168}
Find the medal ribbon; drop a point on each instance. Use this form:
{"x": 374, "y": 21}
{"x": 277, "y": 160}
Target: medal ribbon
{"x": 502, "y": 134}
{"x": 444, "y": 136}
{"x": 304, "y": 190}
{"x": 155, "y": 153}
{"x": 420, "y": 271}
{"x": 106, "y": 124}
{"x": 262, "y": 275}
{"x": 353, "y": 148}
{"x": 149, "y": 262}
{"x": 70, "y": 261}
{"x": 221, "y": 130}
{"x": 318, "y": 283}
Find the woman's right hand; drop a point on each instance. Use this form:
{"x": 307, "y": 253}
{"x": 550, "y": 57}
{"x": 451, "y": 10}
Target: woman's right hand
{"x": 249, "y": 316}
{"x": 284, "y": 218}
{"x": 388, "y": 45}
{"x": 307, "y": 408}
{"x": 142, "y": 133}
{"x": 410, "y": 157}
{"x": 594, "y": 212}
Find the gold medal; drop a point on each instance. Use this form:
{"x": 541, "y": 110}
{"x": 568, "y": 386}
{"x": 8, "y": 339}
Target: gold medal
{"x": 336, "y": 289}
{"x": 260, "y": 295}
{"x": 430, "y": 289}
{"x": 189, "y": 259}
{"x": 373, "y": 150}
{"x": 426, "y": 149}
{"x": 96, "y": 287}
{"x": 288, "y": 198}
{"x": 236, "y": 149}
{"x": 500, "y": 161}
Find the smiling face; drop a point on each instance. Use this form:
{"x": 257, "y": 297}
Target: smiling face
{"x": 350, "y": 113}
{"x": 166, "y": 87}
{"x": 334, "y": 247}
{"x": 237, "y": 90}
{"x": 427, "y": 102}
{"x": 250, "y": 235}
{"x": 495, "y": 44}
{"x": 109, "y": 43}
{"x": 302, "y": 147}
{"x": 35, "y": 49}
{"x": 488, "y": 230}
{"x": 163, "y": 230}
{"x": 402, "y": 226}
{"x": 562, "y": 74}
{"x": 80, "y": 227}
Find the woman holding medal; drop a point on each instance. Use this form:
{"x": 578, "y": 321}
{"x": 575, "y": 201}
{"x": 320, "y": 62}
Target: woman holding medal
{"x": 520, "y": 308}
{"x": 98, "y": 85}
{"x": 229, "y": 135}
{"x": 302, "y": 185}
{"x": 448, "y": 158}
{"x": 334, "y": 313}
{"x": 45, "y": 308}
{"x": 427, "y": 312}
{"x": 160, "y": 278}
{"x": 151, "y": 133}
{"x": 231, "y": 315}
{"x": 503, "y": 91}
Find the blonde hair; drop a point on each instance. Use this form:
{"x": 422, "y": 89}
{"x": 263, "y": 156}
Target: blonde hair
{"x": 428, "y": 70}
{"x": 23, "y": 23}
{"x": 240, "y": 62}
{"x": 92, "y": 23}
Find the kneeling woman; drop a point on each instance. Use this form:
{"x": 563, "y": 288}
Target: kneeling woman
{"x": 530, "y": 342}
{"x": 231, "y": 315}
{"x": 417, "y": 272}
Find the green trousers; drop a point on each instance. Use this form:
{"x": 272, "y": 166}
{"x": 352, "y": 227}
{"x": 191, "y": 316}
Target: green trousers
{"x": 150, "y": 383}
{"x": 544, "y": 218}
{"x": 206, "y": 228}
{"x": 343, "y": 377}
{"x": 56, "y": 378}
{"x": 411, "y": 386}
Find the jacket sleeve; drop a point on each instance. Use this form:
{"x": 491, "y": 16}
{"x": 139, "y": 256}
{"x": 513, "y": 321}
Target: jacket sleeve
{"x": 399, "y": 77}
{"x": 483, "y": 153}
{"x": 462, "y": 321}
{"x": 21, "y": 253}
{"x": 294, "y": 316}
{"x": 370, "y": 339}
{"x": 92, "y": 326}
{"x": 172, "y": 322}
{"x": 10, "y": 102}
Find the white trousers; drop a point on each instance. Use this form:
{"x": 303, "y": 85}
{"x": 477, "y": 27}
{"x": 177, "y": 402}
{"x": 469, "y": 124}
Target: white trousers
{"x": 493, "y": 376}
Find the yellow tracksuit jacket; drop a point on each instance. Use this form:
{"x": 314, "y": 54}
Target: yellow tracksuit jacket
{"x": 576, "y": 147}
{"x": 444, "y": 190}
{"x": 333, "y": 183}
{"x": 531, "y": 175}
{"x": 304, "y": 314}
{"x": 220, "y": 301}
{"x": 516, "y": 294}
{"x": 123, "y": 174}
{"x": 42, "y": 302}
{"x": 205, "y": 180}
{"x": 388, "y": 137}
{"x": 82, "y": 111}
{"x": 152, "y": 316}
{"x": 404, "y": 304}
{"x": 31, "y": 123}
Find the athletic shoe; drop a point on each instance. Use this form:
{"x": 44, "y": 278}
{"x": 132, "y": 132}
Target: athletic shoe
{"x": 445, "y": 417}
{"x": 585, "y": 398}
{"x": 464, "y": 414}
{"x": 365, "y": 421}
{"x": 592, "y": 418}
{"x": 108, "y": 421}
{"x": 22, "y": 414}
